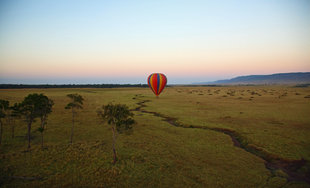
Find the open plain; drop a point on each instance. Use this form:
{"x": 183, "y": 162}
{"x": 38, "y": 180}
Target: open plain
{"x": 236, "y": 136}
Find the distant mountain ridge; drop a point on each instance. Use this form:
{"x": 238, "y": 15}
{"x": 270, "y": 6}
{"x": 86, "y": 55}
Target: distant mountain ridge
{"x": 280, "y": 78}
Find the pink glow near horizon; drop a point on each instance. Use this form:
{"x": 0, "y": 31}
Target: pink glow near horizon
{"x": 174, "y": 66}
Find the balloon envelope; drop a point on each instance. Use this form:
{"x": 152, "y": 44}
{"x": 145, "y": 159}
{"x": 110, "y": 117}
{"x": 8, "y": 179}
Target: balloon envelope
{"x": 157, "y": 82}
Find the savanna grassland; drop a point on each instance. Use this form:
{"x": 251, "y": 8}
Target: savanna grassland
{"x": 241, "y": 136}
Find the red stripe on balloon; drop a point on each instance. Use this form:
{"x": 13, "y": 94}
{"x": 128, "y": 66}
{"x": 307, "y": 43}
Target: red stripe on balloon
{"x": 154, "y": 83}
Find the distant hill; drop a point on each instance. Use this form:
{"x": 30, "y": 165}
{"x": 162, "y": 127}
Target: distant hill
{"x": 281, "y": 78}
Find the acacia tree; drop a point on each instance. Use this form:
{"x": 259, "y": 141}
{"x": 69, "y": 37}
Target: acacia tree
{"x": 14, "y": 114}
{"x": 34, "y": 106}
{"x": 29, "y": 108}
{"x": 120, "y": 119}
{"x": 75, "y": 104}
{"x": 4, "y": 105}
{"x": 45, "y": 108}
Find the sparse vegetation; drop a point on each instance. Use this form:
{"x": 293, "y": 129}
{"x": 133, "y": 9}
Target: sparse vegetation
{"x": 75, "y": 104}
{"x": 119, "y": 118}
{"x": 157, "y": 153}
{"x": 30, "y": 108}
{"x": 4, "y": 105}
{"x": 45, "y": 108}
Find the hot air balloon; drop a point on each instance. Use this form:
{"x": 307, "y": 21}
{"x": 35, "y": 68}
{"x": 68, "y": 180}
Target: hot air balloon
{"x": 157, "y": 82}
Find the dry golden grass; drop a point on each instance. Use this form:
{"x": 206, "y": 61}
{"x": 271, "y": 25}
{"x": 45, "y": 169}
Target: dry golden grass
{"x": 158, "y": 154}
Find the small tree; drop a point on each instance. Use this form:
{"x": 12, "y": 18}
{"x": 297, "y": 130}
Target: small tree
{"x": 45, "y": 108}
{"x": 75, "y": 104}
{"x": 30, "y": 108}
{"x": 34, "y": 106}
{"x": 120, "y": 119}
{"x": 4, "y": 105}
{"x": 14, "y": 114}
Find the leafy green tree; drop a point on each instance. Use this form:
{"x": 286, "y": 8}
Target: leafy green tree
{"x": 75, "y": 104}
{"x": 30, "y": 109}
{"x": 14, "y": 114}
{"x": 45, "y": 108}
{"x": 4, "y": 105}
{"x": 120, "y": 119}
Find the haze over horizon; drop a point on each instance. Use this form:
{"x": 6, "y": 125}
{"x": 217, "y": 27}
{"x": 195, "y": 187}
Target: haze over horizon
{"x": 92, "y": 42}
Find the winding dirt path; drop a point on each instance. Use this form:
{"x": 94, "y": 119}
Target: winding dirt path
{"x": 293, "y": 168}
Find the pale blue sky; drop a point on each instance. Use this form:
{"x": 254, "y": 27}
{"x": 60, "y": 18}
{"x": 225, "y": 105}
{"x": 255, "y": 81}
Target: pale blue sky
{"x": 124, "y": 41}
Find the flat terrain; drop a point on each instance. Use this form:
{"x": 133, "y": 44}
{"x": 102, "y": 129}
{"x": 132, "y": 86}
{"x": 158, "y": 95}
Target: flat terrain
{"x": 188, "y": 137}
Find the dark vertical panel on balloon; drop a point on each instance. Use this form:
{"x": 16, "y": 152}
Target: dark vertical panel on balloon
{"x": 158, "y": 83}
